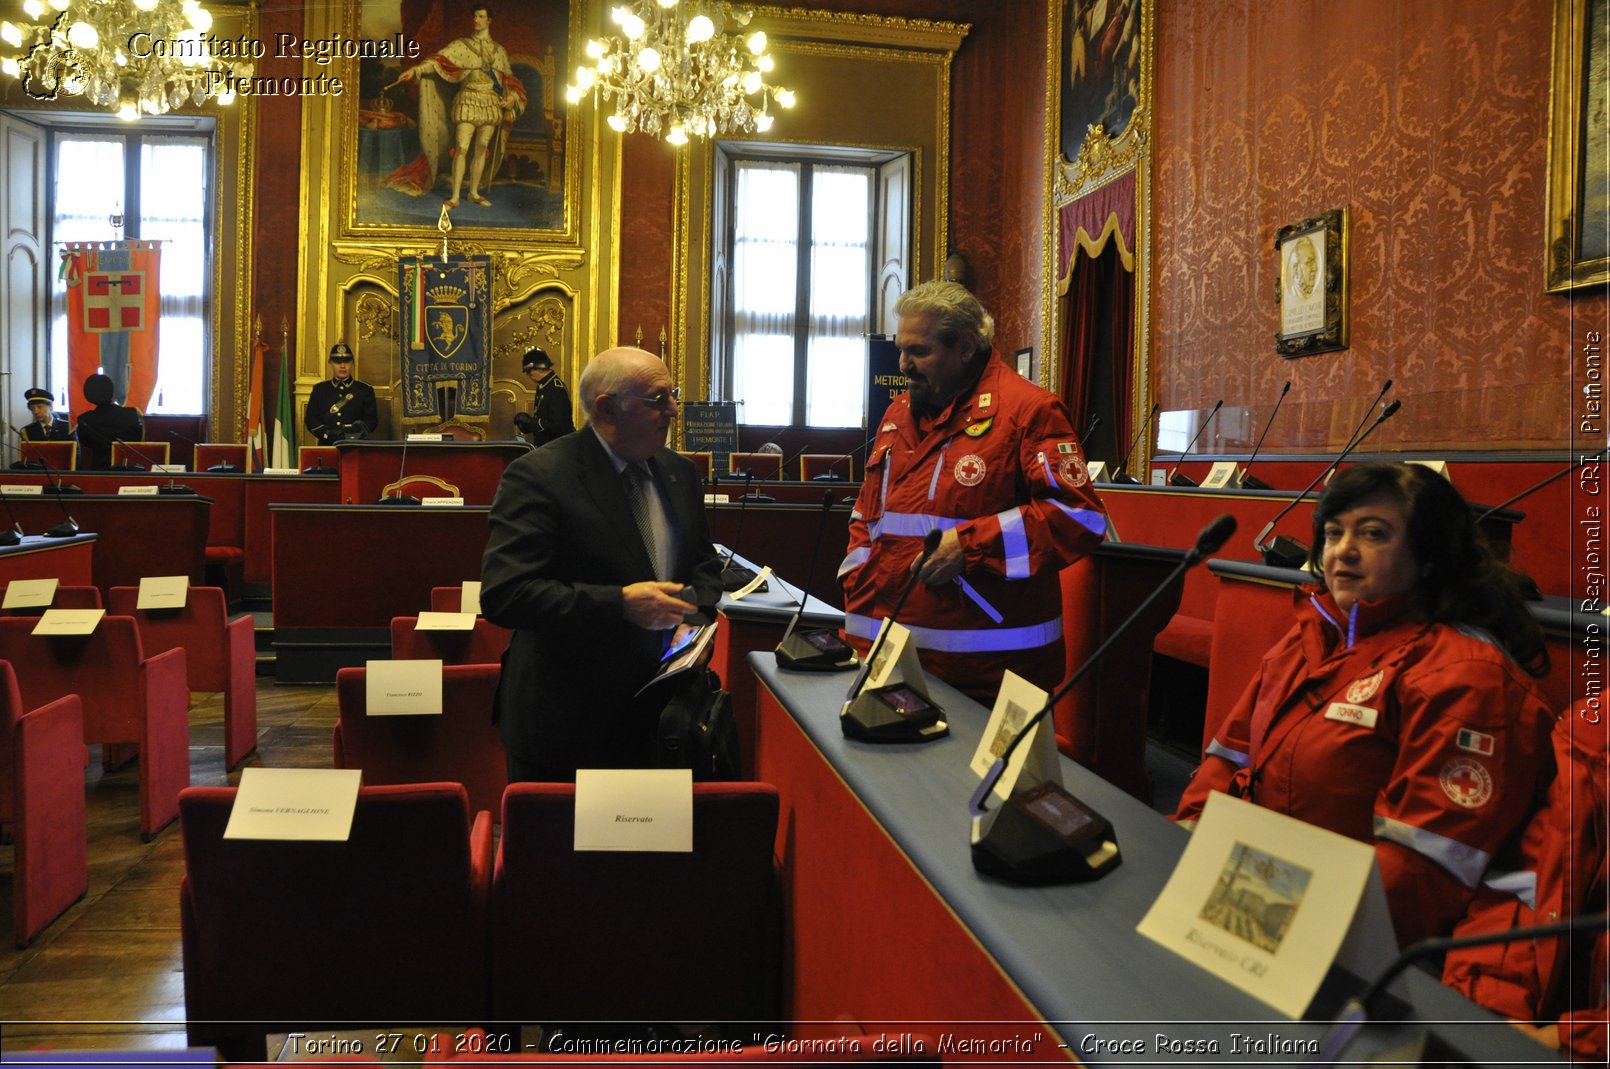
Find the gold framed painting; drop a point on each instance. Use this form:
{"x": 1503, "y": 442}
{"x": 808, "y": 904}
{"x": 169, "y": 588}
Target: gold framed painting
{"x": 1311, "y": 285}
{"x": 1577, "y": 252}
{"x": 473, "y": 123}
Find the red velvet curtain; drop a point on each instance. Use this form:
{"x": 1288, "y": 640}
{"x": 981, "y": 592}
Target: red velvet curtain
{"x": 1097, "y": 308}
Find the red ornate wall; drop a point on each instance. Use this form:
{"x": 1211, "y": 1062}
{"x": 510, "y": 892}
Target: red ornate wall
{"x": 1430, "y": 120}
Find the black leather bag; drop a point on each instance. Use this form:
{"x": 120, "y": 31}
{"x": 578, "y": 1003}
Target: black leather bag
{"x": 698, "y": 730}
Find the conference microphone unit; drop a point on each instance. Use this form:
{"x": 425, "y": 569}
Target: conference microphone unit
{"x": 819, "y": 649}
{"x": 735, "y": 576}
{"x": 1248, "y": 481}
{"x": 1287, "y": 552}
{"x": 150, "y": 466}
{"x": 896, "y": 712}
{"x": 1174, "y": 476}
{"x": 1046, "y": 835}
{"x": 1120, "y": 473}
{"x": 1356, "y": 1014}
{"x": 223, "y": 467}
{"x": 56, "y": 484}
{"x": 398, "y": 498}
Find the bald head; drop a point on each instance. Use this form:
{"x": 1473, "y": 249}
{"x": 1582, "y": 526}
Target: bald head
{"x": 626, "y": 395}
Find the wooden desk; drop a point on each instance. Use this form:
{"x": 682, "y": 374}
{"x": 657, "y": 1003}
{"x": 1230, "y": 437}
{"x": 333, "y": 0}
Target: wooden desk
{"x": 784, "y": 536}
{"x": 891, "y": 924}
{"x": 138, "y": 536}
{"x": 475, "y": 468}
{"x": 341, "y": 572}
{"x": 69, "y": 560}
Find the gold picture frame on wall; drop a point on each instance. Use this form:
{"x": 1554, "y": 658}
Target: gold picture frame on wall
{"x": 1577, "y": 250}
{"x": 1311, "y": 276}
{"x": 400, "y": 124}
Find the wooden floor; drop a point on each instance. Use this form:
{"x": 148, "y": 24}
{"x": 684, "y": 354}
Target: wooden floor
{"x": 108, "y": 973}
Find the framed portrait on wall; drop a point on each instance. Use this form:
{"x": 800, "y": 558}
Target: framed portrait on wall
{"x": 1311, "y": 285}
{"x": 1101, "y": 68}
{"x": 1578, "y": 238}
{"x": 475, "y": 125}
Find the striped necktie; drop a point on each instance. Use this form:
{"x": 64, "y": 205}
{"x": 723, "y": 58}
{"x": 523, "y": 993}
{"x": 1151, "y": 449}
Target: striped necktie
{"x": 637, "y": 492}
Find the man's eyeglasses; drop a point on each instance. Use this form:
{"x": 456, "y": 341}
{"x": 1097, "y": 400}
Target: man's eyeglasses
{"x": 662, "y": 400}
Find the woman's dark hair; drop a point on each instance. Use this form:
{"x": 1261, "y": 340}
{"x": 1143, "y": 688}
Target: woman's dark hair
{"x": 1460, "y": 582}
{"x": 98, "y": 389}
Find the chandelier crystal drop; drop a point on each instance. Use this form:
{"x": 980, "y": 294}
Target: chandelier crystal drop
{"x": 681, "y": 68}
{"x": 134, "y": 57}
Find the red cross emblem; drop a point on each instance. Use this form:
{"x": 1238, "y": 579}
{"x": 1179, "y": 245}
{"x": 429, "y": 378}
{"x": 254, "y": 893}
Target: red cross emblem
{"x": 114, "y": 301}
{"x": 1466, "y": 782}
{"x": 970, "y": 470}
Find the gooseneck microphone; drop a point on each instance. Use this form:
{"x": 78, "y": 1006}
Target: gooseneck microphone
{"x": 735, "y": 576}
{"x": 1084, "y": 439}
{"x": 893, "y": 713}
{"x": 819, "y": 649}
{"x": 1053, "y": 837}
{"x": 11, "y": 536}
{"x": 1586, "y": 458}
{"x": 1252, "y": 482}
{"x": 1174, "y": 476}
{"x": 1352, "y": 441}
{"x": 399, "y": 498}
{"x": 150, "y": 465}
{"x": 1120, "y": 473}
{"x": 1285, "y": 551}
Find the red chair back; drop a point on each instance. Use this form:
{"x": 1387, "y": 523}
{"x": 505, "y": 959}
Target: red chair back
{"x": 553, "y": 903}
{"x": 759, "y": 465}
{"x": 101, "y": 668}
{"x": 57, "y": 456}
{"x": 67, "y": 597}
{"x": 213, "y": 454}
{"x": 142, "y": 453}
{"x": 813, "y": 464}
{"x": 482, "y": 645}
{"x": 446, "y": 598}
{"x": 702, "y": 460}
{"x": 318, "y": 456}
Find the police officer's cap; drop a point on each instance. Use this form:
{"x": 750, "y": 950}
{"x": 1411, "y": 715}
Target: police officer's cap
{"x": 536, "y": 358}
{"x": 36, "y": 394}
{"x": 340, "y": 354}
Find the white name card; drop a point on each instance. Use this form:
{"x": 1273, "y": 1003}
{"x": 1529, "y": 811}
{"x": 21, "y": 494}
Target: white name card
{"x": 1098, "y": 471}
{"x": 170, "y": 469}
{"x": 1035, "y": 759}
{"x": 1222, "y": 474}
{"x": 282, "y": 471}
{"x": 469, "y": 598}
{"x": 442, "y": 502}
{"x": 21, "y": 489}
{"x": 717, "y": 499}
{"x": 403, "y": 688}
{"x": 636, "y": 809}
{"x": 753, "y": 584}
{"x": 1159, "y": 476}
{"x": 309, "y": 804}
{"x": 68, "y": 621}
{"x": 163, "y": 592}
{"x": 424, "y": 437}
{"x": 445, "y": 621}
{"x": 1438, "y": 466}
{"x": 149, "y": 490}
{"x": 29, "y": 593}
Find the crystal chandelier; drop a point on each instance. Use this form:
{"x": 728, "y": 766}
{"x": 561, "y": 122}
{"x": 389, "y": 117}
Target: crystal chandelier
{"x": 677, "y": 69}
{"x": 132, "y": 56}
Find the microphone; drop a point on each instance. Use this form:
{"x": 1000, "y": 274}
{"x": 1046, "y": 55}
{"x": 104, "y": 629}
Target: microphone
{"x": 1120, "y": 473}
{"x": 1047, "y": 835}
{"x": 1530, "y": 490}
{"x": 736, "y": 576}
{"x": 1095, "y": 421}
{"x": 1252, "y": 482}
{"x": 11, "y": 536}
{"x": 1174, "y": 477}
{"x": 896, "y": 713}
{"x": 1385, "y": 386}
{"x": 399, "y": 498}
{"x": 828, "y": 475}
{"x": 819, "y": 649}
{"x": 1285, "y": 551}
{"x": 1356, "y": 1013}
{"x": 58, "y": 486}
{"x": 126, "y": 466}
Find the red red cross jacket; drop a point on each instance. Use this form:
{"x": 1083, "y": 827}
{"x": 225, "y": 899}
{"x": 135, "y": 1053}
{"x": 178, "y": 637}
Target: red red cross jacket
{"x": 1003, "y": 467}
{"x": 1425, "y": 739}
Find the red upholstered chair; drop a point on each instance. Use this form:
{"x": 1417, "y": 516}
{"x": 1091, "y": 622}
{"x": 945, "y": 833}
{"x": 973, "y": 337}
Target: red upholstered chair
{"x": 701, "y": 460}
{"x": 67, "y": 597}
{"x": 127, "y": 697}
{"x": 815, "y": 465}
{"x": 141, "y": 454}
{"x": 385, "y": 927}
{"x": 483, "y": 645}
{"x": 220, "y": 654}
{"x": 637, "y": 912}
{"x": 459, "y": 746}
{"x": 1249, "y": 618}
{"x": 759, "y": 465}
{"x": 446, "y": 598}
{"x": 318, "y": 456}
{"x": 42, "y": 806}
{"x": 57, "y": 456}
{"x": 421, "y": 486}
{"x": 211, "y": 455}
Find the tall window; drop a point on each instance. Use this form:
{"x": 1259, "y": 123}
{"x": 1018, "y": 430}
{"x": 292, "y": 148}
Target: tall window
{"x": 158, "y": 185}
{"x": 800, "y": 291}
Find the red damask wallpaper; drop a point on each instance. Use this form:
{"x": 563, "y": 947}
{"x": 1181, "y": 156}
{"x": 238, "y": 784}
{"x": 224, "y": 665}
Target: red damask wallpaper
{"x": 1430, "y": 121}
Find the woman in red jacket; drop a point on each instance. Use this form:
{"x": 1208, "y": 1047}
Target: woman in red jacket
{"x": 1397, "y": 710}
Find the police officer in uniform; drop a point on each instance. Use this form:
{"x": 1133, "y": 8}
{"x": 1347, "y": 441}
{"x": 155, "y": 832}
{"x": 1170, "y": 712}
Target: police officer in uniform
{"x": 341, "y": 407}
{"x": 46, "y": 425}
{"x": 549, "y": 417}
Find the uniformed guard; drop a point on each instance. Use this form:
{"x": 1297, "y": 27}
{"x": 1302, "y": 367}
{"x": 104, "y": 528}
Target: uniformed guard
{"x": 341, "y": 407}
{"x": 550, "y": 416}
{"x": 45, "y": 426}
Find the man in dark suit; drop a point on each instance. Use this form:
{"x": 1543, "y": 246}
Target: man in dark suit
{"x": 105, "y": 424}
{"x": 595, "y": 539}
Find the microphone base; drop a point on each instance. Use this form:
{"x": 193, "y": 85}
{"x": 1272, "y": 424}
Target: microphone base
{"x": 1044, "y": 836}
{"x": 181, "y": 490}
{"x": 62, "y": 530}
{"x": 1181, "y": 480}
{"x": 225, "y": 469}
{"x": 736, "y": 577}
{"x": 871, "y": 720}
{"x": 128, "y": 465}
{"x": 798, "y": 653}
{"x": 10, "y": 537}
{"x": 398, "y": 499}
{"x": 1252, "y": 482}
{"x": 1123, "y": 478}
{"x": 63, "y": 488}
{"x": 759, "y": 499}
{"x": 1285, "y": 552}
{"x": 319, "y": 469}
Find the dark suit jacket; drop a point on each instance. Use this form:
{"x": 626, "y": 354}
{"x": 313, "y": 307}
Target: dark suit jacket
{"x": 100, "y": 426}
{"x": 562, "y": 545}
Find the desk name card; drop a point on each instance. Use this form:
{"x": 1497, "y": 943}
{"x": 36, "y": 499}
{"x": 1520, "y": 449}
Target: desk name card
{"x": 68, "y": 622}
{"x": 1223, "y": 474}
{"x": 469, "y": 597}
{"x": 169, "y": 469}
{"x": 163, "y": 592}
{"x": 29, "y": 593}
{"x": 634, "y": 809}
{"x": 282, "y": 471}
{"x": 753, "y": 584}
{"x": 442, "y": 502}
{"x": 424, "y": 437}
{"x": 445, "y": 621}
{"x": 21, "y": 489}
{"x": 148, "y": 490}
{"x": 403, "y": 688}
{"x": 298, "y": 804}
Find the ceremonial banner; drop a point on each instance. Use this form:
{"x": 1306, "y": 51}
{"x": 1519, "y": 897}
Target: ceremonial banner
{"x": 447, "y": 336}
{"x": 256, "y": 432}
{"x": 112, "y": 312}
